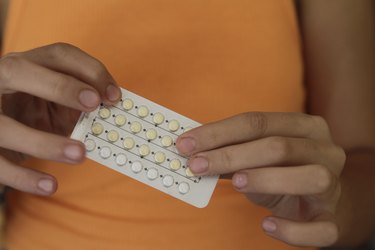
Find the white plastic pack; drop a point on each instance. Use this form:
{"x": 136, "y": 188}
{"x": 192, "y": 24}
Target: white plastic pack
{"x": 136, "y": 137}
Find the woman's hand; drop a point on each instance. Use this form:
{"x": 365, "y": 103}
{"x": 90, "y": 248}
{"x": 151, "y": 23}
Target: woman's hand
{"x": 286, "y": 162}
{"x": 42, "y": 93}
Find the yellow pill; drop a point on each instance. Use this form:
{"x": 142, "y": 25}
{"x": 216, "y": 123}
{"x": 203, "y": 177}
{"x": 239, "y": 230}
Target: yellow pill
{"x": 173, "y": 125}
{"x": 175, "y": 164}
{"x": 144, "y": 150}
{"x": 127, "y": 104}
{"x": 136, "y": 127}
{"x": 143, "y": 111}
{"x": 120, "y": 120}
{"x": 151, "y": 134}
{"x": 166, "y": 141}
{"x": 158, "y": 118}
{"x": 128, "y": 143}
{"x": 97, "y": 128}
{"x": 189, "y": 173}
{"x": 159, "y": 157}
{"x": 104, "y": 113}
{"x": 112, "y": 136}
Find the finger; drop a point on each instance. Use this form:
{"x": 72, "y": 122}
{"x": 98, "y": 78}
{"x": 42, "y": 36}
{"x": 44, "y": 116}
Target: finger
{"x": 18, "y": 74}
{"x": 73, "y": 61}
{"x": 270, "y": 151}
{"x": 251, "y": 126}
{"x": 20, "y": 138}
{"x": 26, "y": 180}
{"x": 299, "y": 180}
{"x": 321, "y": 232}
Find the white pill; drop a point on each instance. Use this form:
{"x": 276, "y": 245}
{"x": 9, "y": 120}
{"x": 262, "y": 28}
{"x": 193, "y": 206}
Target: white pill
{"x": 152, "y": 174}
{"x": 158, "y": 118}
{"x": 166, "y": 141}
{"x": 143, "y": 111}
{"x": 136, "y": 127}
{"x": 173, "y": 125}
{"x": 151, "y": 134}
{"x": 104, "y": 113}
{"x": 137, "y": 167}
{"x": 183, "y": 188}
{"x": 112, "y": 136}
{"x": 97, "y": 128}
{"x": 128, "y": 143}
{"x": 168, "y": 181}
{"x": 127, "y": 104}
{"x": 121, "y": 159}
{"x": 175, "y": 164}
{"x": 144, "y": 150}
{"x": 120, "y": 120}
{"x": 90, "y": 145}
{"x": 159, "y": 157}
{"x": 105, "y": 152}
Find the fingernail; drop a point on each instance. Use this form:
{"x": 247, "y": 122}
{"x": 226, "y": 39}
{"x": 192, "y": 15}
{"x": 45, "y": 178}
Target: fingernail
{"x": 269, "y": 226}
{"x": 198, "y": 165}
{"x": 73, "y": 152}
{"x": 186, "y": 145}
{"x": 89, "y": 98}
{"x": 46, "y": 185}
{"x": 113, "y": 92}
{"x": 240, "y": 180}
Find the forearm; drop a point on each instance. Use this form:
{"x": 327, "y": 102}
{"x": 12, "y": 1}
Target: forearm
{"x": 356, "y": 210}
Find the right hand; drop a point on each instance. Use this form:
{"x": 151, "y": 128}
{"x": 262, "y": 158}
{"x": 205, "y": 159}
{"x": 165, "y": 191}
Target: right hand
{"x": 42, "y": 92}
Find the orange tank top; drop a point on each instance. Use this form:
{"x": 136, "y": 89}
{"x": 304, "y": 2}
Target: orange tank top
{"x": 205, "y": 59}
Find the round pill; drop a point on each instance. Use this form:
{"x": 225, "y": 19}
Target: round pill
{"x": 144, "y": 150}
{"x": 173, "y": 125}
{"x": 121, "y": 159}
{"x": 136, "y": 127}
{"x": 168, "y": 181}
{"x": 175, "y": 164}
{"x": 151, "y": 134}
{"x": 104, "y": 113}
{"x": 105, "y": 152}
{"x": 152, "y": 174}
{"x": 183, "y": 188}
{"x": 188, "y": 172}
{"x": 136, "y": 167}
{"x": 158, "y": 118}
{"x": 159, "y": 157}
{"x": 143, "y": 111}
{"x": 112, "y": 136}
{"x": 97, "y": 128}
{"x": 128, "y": 143}
{"x": 90, "y": 145}
{"x": 120, "y": 120}
{"x": 127, "y": 104}
{"x": 166, "y": 141}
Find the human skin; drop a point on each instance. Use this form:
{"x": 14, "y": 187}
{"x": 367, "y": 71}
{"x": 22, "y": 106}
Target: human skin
{"x": 315, "y": 171}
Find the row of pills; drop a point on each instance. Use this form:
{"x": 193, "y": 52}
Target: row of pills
{"x": 113, "y": 136}
{"x": 142, "y": 112}
{"x": 121, "y": 159}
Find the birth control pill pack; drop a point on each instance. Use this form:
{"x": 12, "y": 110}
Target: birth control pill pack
{"x": 137, "y": 138}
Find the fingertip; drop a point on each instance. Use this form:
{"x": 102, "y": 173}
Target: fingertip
{"x": 269, "y": 225}
{"x": 185, "y": 145}
{"x": 74, "y": 152}
{"x": 47, "y": 185}
{"x": 113, "y": 93}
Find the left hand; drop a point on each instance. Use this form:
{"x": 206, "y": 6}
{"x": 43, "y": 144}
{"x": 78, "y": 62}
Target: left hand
{"x": 286, "y": 162}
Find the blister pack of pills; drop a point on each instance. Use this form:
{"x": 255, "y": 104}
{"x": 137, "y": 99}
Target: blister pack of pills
{"x": 136, "y": 137}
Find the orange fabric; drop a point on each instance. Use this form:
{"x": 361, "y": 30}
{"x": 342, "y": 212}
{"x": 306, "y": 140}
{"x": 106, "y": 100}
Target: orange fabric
{"x": 205, "y": 59}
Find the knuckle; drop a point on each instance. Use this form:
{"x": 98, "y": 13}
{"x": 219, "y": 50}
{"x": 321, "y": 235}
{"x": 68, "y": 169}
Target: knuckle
{"x": 257, "y": 122}
{"x": 280, "y": 148}
{"x": 226, "y": 159}
{"x": 60, "y": 49}
{"x": 99, "y": 72}
{"x": 324, "y": 179}
{"x": 320, "y": 122}
{"x": 8, "y": 65}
